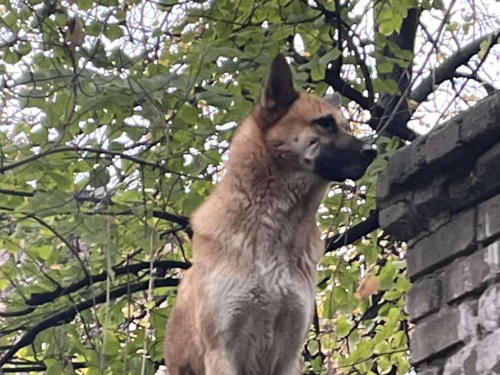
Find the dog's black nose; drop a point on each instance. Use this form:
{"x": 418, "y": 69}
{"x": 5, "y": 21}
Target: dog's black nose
{"x": 368, "y": 151}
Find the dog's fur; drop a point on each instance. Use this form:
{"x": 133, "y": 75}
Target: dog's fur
{"x": 245, "y": 306}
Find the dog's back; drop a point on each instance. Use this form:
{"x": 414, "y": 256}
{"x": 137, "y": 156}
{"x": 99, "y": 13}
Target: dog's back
{"x": 246, "y": 304}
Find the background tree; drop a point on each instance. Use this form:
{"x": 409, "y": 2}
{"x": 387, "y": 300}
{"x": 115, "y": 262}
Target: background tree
{"x": 116, "y": 118}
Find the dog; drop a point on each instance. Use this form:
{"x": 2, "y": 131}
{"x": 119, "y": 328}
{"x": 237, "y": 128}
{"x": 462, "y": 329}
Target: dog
{"x": 246, "y": 304}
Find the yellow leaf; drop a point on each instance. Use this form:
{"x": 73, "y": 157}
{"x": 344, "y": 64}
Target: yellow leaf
{"x": 369, "y": 286}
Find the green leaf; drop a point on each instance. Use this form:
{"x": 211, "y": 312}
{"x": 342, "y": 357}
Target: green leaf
{"x": 94, "y": 28}
{"x": 390, "y": 86}
{"x": 343, "y": 326}
{"x": 44, "y": 252}
{"x": 10, "y": 20}
{"x": 24, "y": 49}
{"x": 331, "y": 56}
{"x": 189, "y": 115}
{"x": 40, "y": 136}
{"x": 113, "y": 32}
{"x": 387, "y": 276}
{"x": 85, "y": 4}
{"x": 99, "y": 177}
{"x": 11, "y": 57}
{"x": 438, "y": 4}
{"x": 385, "y": 67}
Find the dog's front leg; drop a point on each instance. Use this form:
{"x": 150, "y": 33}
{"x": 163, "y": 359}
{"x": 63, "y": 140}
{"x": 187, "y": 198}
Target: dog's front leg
{"x": 217, "y": 362}
{"x": 289, "y": 366}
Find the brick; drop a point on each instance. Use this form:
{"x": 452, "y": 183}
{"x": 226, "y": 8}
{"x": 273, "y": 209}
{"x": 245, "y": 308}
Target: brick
{"x": 489, "y": 309}
{"x": 462, "y": 190}
{"x": 447, "y": 242}
{"x": 383, "y": 186}
{"x": 443, "y": 144}
{"x": 488, "y": 219}
{"x": 406, "y": 162}
{"x": 477, "y": 182}
{"x": 487, "y": 179}
{"x": 481, "y": 124}
{"x": 488, "y": 354}
{"x": 462, "y": 362}
{"x": 441, "y": 332}
{"x": 400, "y": 221}
{"x": 424, "y": 298}
{"x": 432, "y": 201}
{"x": 471, "y": 273}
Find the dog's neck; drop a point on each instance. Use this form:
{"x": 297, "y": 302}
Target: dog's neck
{"x": 257, "y": 203}
{"x": 252, "y": 172}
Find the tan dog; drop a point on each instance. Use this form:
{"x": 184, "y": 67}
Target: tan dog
{"x": 245, "y": 306}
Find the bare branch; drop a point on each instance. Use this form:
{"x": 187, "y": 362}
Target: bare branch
{"x": 38, "y": 299}
{"x": 447, "y": 69}
{"x": 38, "y": 367}
{"x": 354, "y": 233}
{"x": 81, "y": 197}
{"x": 490, "y": 89}
{"x": 10, "y": 314}
{"x": 91, "y": 150}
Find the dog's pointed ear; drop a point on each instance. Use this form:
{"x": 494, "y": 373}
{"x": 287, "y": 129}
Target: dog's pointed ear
{"x": 280, "y": 92}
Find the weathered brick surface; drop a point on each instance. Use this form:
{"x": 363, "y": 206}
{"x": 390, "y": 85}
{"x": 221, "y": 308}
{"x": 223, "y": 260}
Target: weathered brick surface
{"x": 383, "y": 187}
{"x": 480, "y": 126}
{"x": 442, "y": 195}
{"x": 406, "y": 162}
{"x": 488, "y": 354}
{"x": 462, "y": 190}
{"x": 442, "y": 144}
{"x": 441, "y": 332}
{"x": 487, "y": 179}
{"x": 475, "y": 183}
{"x": 447, "y": 242}
{"x": 489, "y": 309}
{"x": 471, "y": 273}
{"x": 462, "y": 362}
{"x": 424, "y": 298}
{"x": 431, "y": 201}
{"x": 400, "y": 221}
{"x": 489, "y": 218}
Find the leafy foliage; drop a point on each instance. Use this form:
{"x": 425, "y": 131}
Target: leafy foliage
{"x": 116, "y": 119}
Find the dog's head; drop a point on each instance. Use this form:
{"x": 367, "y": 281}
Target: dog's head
{"x": 306, "y": 133}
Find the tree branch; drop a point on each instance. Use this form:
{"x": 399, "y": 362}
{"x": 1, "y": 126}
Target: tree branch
{"x": 11, "y": 314}
{"x": 38, "y": 367}
{"x": 447, "y": 69}
{"x": 353, "y": 234}
{"x": 343, "y": 88}
{"x": 177, "y": 219}
{"x": 66, "y": 316}
{"x": 91, "y": 150}
{"x": 37, "y": 299}
{"x": 490, "y": 89}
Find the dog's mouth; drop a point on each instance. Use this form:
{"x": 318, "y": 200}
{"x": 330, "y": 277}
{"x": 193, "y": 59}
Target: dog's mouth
{"x": 340, "y": 169}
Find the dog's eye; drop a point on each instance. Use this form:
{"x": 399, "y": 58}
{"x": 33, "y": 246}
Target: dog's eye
{"x": 327, "y": 122}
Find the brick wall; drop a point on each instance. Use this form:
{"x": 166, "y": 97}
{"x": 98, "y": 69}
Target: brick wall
{"x": 441, "y": 195}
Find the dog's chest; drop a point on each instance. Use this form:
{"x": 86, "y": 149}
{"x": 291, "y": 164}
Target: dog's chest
{"x": 277, "y": 295}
